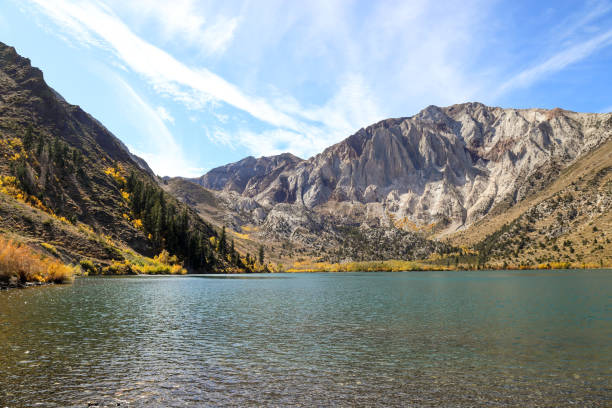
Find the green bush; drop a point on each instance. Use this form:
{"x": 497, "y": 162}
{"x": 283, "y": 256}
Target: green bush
{"x": 88, "y": 267}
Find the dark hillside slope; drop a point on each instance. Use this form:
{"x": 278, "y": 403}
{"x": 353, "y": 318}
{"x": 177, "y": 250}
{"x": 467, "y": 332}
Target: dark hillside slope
{"x": 64, "y": 164}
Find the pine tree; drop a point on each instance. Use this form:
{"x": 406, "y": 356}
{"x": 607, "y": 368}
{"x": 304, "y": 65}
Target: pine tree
{"x": 28, "y": 138}
{"x": 223, "y": 242}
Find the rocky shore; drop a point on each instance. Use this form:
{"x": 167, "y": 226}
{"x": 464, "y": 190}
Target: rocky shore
{"x": 21, "y": 285}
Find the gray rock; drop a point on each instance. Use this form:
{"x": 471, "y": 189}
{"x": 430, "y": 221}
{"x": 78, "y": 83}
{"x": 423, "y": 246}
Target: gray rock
{"x": 453, "y": 164}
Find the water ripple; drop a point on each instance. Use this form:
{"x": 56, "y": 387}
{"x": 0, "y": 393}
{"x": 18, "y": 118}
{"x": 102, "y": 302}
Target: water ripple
{"x": 402, "y": 339}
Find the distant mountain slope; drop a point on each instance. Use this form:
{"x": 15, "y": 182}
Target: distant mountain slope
{"x": 569, "y": 220}
{"x": 250, "y": 176}
{"x": 462, "y": 174}
{"x": 291, "y": 232}
{"x": 65, "y": 179}
{"x": 444, "y": 166}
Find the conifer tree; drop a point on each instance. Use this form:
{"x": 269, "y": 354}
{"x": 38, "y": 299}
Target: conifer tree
{"x": 261, "y": 255}
{"x": 223, "y": 242}
{"x": 28, "y": 138}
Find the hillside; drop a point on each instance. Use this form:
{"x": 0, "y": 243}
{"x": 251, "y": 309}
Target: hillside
{"x": 291, "y": 233}
{"x": 570, "y": 220}
{"x": 67, "y": 182}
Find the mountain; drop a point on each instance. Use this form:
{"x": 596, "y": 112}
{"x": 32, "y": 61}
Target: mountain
{"x": 69, "y": 184}
{"x": 444, "y": 165}
{"x": 251, "y": 176}
{"x": 434, "y": 174}
{"x": 293, "y": 233}
{"x": 568, "y": 220}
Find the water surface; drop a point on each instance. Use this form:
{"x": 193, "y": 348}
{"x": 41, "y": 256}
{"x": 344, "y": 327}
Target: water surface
{"x": 530, "y": 338}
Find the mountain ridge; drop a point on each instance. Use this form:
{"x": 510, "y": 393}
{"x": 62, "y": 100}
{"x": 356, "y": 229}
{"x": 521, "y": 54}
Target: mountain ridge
{"x": 70, "y": 187}
{"x": 397, "y": 162}
{"x": 433, "y": 175}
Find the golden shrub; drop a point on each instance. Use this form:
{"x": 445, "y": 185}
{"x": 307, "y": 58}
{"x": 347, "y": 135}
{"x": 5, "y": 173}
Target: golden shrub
{"x": 116, "y": 175}
{"x": 22, "y": 264}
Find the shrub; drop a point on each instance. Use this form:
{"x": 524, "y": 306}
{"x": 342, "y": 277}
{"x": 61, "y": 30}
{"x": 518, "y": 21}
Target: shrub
{"x": 119, "y": 268}
{"x": 19, "y": 263}
{"x": 145, "y": 266}
{"x": 88, "y": 266}
{"x": 116, "y": 175}
{"x": 178, "y": 270}
{"x": 560, "y": 265}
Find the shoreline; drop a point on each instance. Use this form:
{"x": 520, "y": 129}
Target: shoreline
{"x": 380, "y": 270}
{"x": 448, "y": 270}
{"x": 8, "y": 285}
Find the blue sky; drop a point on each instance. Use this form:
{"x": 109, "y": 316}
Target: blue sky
{"x": 190, "y": 85}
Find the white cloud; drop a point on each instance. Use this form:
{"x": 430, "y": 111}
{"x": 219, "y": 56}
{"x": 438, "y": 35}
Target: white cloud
{"x": 218, "y": 36}
{"x": 184, "y": 21}
{"x": 163, "y": 165}
{"x": 163, "y": 71}
{"x": 351, "y": 107}
{"x": 163, "y": 154}
{"x": 557, "y": 62}
{"x": 220, "y": 137}
{"x": 164, "y": 114}
{"x": 583, "y": 20}
{"x": 266, "y": 143}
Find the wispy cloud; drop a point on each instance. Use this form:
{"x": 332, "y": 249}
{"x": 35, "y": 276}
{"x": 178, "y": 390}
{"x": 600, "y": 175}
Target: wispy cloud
{"x": 163, "y": 153}
{"x": 557, "y": 62}
{"x": 582, "y": 21}
{"x": 92, "y": 24}
{"x": 184, "y": 21}
{"x": 299, "y": 129}
{"x": 164, "y": 114}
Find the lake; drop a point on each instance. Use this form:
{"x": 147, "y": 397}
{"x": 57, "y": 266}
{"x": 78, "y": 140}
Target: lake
{"x": 529, "y": 338}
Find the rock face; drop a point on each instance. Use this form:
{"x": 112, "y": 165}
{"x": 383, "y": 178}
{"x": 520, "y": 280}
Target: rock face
{"x": 444, "y": 166}
{"x": 250, "y": 177}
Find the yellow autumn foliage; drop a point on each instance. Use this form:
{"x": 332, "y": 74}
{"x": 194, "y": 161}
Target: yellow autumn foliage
{"x": 161, "y": 264}
{"x": 116, "y": 175}
{"x": 10, "y": 186}
{"x": 19, "y": 263}
{"x": 367, "y": 266}
{"x": 50, "y": 248}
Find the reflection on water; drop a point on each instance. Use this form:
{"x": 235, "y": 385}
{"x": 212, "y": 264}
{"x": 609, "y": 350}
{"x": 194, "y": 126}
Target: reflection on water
{"x": 242, "y": 276}
{"x": 388, "y": 339}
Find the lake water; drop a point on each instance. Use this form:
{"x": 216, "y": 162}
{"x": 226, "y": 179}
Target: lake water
{"x": 529, "y": 338}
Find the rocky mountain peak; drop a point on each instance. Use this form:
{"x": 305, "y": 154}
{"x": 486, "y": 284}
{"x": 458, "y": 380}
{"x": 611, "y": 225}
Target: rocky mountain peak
{"x": 249, "y": 174}
{"x": 445, "y": 165}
